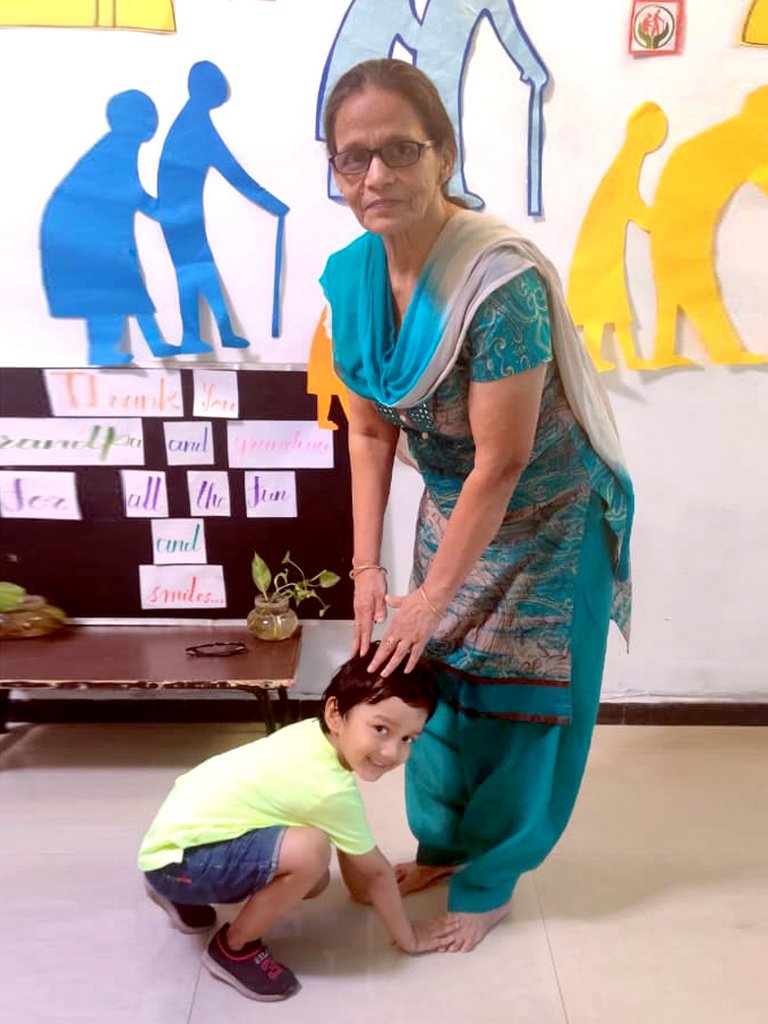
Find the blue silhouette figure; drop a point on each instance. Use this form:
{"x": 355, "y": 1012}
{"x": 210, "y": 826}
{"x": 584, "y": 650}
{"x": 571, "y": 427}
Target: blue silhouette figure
{"x": 191, "y": 149}
{"x": 441, "y": 42}
{"x": 445, "y": 42}
{"x": 90, "y": 264}
{"x": 368, "y": 29}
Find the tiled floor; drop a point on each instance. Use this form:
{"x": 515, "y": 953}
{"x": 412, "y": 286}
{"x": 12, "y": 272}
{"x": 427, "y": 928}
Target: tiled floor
{"x": 652, "y": 910}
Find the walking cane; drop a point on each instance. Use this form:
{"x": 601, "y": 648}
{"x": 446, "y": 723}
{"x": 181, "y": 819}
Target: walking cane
{"x": 278, "y": 276}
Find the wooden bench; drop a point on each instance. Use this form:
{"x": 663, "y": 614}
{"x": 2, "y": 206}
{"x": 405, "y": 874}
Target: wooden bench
{"x": 150, "y": 658}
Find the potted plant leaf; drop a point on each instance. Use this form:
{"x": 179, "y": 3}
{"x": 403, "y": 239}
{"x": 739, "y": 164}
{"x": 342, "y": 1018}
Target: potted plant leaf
{"x": 27, "y": 615}
{"x": 272, "y": 617}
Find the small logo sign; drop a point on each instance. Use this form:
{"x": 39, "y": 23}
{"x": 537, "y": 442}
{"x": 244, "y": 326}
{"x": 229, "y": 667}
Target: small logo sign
{"x": 656, "y": 28}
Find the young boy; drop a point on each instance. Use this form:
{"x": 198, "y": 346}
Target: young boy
{"x": 257, "y": 824}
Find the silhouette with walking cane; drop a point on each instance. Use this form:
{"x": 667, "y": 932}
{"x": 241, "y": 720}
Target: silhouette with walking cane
{"x": 440, "y": 43}
{"x": 192, "y": 148}
{"x": 90, "y": 264}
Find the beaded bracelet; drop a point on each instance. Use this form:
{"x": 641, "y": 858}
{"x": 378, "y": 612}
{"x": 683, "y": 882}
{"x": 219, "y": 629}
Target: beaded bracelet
{"x": 428, "y": 603}
{"x": 356, "y": 570}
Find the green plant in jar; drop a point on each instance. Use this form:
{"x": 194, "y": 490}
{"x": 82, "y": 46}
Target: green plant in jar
{"x": 27, "y": 615}
{"x": 271, "y": 617}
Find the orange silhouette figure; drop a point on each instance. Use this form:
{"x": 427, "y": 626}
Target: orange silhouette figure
{"x": 597, "y": 285}
{"x": 756, "y": 25}
{"x": 699, "y": 178}
{"x": 321, "y": 377}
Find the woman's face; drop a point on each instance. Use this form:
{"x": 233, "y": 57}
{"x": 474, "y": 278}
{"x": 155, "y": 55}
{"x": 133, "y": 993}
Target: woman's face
{"x": 389, "y": 200}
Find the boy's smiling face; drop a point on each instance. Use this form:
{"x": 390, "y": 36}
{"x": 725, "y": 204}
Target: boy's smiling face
{"x": 372, "y": 739}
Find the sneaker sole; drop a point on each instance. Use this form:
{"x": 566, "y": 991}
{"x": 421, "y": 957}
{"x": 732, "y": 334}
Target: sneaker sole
{"x": 223, "y": 975}
{"x": 173, "y": 914}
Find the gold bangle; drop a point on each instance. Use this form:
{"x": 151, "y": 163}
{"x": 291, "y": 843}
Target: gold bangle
{"x": 356, "y": 570}
{"x": 428, "y": 603}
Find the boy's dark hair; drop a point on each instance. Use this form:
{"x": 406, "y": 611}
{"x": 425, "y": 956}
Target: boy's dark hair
{"x": 353, "y": 684}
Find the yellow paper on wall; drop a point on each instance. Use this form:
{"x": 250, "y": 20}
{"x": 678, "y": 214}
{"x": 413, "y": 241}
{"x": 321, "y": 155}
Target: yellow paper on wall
{"x": 597, "y": 287}
{"x": 697, "y": 182}
{"x": 151, "y": 15}
{"x": 756, "y": 25}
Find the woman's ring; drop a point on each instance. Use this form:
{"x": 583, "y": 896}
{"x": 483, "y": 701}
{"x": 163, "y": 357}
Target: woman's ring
{"x": 390, "y": 640}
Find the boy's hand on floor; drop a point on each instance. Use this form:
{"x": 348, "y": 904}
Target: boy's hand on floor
{"x": 433, "y": 935}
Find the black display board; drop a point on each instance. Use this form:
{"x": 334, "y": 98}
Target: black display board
{"x": 89, "y": 567}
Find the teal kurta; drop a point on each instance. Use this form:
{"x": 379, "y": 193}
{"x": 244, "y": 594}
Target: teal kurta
{"x": 504, "y": 644}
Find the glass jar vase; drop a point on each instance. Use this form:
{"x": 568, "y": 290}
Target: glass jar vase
{"x": 272, "y": 619}
{"x": 33, "y": 617}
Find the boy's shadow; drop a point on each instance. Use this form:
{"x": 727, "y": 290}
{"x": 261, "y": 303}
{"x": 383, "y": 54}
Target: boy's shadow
{"x": 332, "y": 936}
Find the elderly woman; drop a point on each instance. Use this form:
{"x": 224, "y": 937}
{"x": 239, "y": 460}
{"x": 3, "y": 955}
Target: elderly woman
{"x": 450, "y": 327}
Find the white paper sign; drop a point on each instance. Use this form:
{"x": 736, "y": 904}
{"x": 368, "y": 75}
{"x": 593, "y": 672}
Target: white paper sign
{"x": 270, "y": 495}
{"x": 182, "y": 586}
{"x": 188, "y": 444}
{"x": 215, "y": 393}
{"x": 208, "y": 492}
{"x": 44, "y": 441}
{"x": 267, "y": 444}
{"x": 26, "y": 494}
{"x": 94, "y": 392}
{"x": 144, "y": 493}
{"x": 178, "y": 541}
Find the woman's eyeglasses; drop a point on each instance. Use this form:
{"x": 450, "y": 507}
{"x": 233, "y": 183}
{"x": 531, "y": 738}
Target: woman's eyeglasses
{"x": 351, "y": 162}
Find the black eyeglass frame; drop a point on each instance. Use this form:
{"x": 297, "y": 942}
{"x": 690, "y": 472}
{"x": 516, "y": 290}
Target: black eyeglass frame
{"x": 379, "y": 152}
{"x": 216, "y": 649}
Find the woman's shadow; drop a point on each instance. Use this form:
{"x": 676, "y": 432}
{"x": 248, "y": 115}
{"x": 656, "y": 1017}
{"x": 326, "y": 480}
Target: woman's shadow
{"x": 688, "y": 824}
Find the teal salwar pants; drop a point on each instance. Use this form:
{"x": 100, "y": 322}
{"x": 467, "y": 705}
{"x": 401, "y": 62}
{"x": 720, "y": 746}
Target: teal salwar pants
{"x": 495, "y": 795}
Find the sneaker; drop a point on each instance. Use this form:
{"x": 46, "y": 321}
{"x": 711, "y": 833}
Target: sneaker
{"x": 187, "y": 917}
{"x": 251, "y": 970}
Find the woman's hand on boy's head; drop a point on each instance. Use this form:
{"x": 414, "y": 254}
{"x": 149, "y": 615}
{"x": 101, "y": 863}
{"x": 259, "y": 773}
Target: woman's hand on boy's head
{"x": 433, "y": 935}
{"x": 407, "y": 634}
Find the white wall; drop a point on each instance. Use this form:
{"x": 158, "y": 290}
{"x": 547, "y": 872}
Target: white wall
{"x": 695, "y": 439}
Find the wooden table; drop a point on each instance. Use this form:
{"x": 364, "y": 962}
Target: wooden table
{"x": 149, "y": 658}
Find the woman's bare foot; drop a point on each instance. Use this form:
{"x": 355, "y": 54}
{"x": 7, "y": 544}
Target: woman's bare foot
{"x": 413, "y": 877}
{"x": 472, "y": 928}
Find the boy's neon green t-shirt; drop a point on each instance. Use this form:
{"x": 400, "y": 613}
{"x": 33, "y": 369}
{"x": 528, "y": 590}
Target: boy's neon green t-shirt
{"x": 292, "y": 777}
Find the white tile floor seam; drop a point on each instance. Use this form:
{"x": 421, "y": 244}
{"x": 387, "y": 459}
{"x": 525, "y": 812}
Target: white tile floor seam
{"x": 651, "y": 910}
{"x": 193, "y": 994}
{"x": 549, "y": 947}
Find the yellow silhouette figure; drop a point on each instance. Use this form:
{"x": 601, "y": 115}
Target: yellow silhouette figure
{"x": 597, "y": 285}
{"x": 756, "y": 25}
{"x": 697, "y": 181}
{"x": 152, "y": 15}
{"x": 321, "y": 377}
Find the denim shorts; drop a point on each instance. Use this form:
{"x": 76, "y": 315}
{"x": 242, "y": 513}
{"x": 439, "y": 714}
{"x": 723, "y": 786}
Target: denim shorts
{"x": 226, "y": 872}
